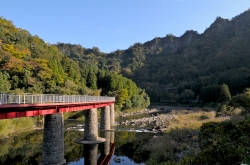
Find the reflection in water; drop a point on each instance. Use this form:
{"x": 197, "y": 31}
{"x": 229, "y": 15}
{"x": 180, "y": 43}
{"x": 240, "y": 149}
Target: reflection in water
{"x": 106, "y": 146}
{"x": 26, "y": 148}
{"x": 107, "y": 150}
{"x": 90, "y": 154}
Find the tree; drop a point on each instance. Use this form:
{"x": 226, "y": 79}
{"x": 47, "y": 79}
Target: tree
{"x": 225, "y": 94}
{"x": 128, "y": 104}
{"x": 187, "y": 95}
{"x": 122, "y": 97}
{"x": 210, "y": 93}
{"x": 92, "y": 80}
{"x": 241, "y": 100}
{"x": 4, "y": 82}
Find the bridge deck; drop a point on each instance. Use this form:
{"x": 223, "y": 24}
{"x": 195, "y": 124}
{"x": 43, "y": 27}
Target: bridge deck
{"x": 14, "y": 106}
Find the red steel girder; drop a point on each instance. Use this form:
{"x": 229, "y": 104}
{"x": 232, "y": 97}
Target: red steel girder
{"x": 9, "y": 111}
{"x": 10, "y": 115}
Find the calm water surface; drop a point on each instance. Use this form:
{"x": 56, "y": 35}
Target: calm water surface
{"x": 124, "y": 161}
{"x": 26, "y": 148}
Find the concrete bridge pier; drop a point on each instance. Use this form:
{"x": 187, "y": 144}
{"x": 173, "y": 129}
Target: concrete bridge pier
{"x": 90, "y": 154}
{"x": 91, "y": 128}
{"x": 53, "y": 140}
{"x": 105, "y": 118}
{"x": 112, "y": 115}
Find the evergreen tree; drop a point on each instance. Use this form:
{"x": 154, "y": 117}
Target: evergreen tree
{"x": 4, "y": 82}
{"x": 225, "y": 94}
{"x": 92, "y": 80}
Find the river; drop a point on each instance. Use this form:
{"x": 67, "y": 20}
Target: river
{"x": 26, "y": 148}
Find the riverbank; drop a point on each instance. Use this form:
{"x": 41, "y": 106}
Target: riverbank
{"x": 158, "y": 120}
{"x": 177, "y": 129}
{"x": 153, "y": 109}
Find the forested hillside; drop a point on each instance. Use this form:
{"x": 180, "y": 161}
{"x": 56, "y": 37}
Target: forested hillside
{"x": 182, "y": 68}
{"x": 30, "y": 65}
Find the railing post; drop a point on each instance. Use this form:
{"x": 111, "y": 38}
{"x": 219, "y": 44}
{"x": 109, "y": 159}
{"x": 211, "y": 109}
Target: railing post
{"x": 24, "y": 98}
{"x": 41, "y": 99}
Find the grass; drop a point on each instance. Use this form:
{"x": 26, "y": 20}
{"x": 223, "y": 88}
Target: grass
{"x": 192, "y": 119}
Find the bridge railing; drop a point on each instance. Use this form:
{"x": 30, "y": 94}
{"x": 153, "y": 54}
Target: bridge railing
{"x": 49, "y": 98}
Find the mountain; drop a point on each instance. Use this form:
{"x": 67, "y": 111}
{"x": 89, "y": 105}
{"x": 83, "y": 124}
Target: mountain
{"x": 178, "y": 68}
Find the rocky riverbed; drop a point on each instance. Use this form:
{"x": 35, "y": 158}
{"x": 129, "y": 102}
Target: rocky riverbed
{"x": 157, "y": 109}
{"x": 158, "y": 120}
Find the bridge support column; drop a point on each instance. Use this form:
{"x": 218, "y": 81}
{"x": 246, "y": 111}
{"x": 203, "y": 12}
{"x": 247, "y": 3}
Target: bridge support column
{"x": 112, "y": 115}
{"x": 91, "y": 128}
{"x": 105, "y": 118}
{"x": 90, "y": 154}
{"x": 53, "y": 140}
{"x": 91, "y": 125}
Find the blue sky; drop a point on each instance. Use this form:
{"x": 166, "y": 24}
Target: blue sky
{"x": 115, "y": 24}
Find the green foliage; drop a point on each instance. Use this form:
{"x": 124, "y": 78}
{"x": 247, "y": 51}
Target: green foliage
{"x": 92, "y": 80}
{"x": 156, "y": 159}
{"x": 187, "y": 94}
{"x": 225, "y": 94}
{"x": 4, "y": 83}
{"x": 210, "y": 93}
{"x": 127, "y": 94}
{"x": 222, "y": 143}
{"x": 241, "y": 100}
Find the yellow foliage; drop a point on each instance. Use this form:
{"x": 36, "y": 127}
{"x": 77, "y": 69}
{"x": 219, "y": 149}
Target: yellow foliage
{"x": 42, "y": 62}
{"x": 15, "y": 52}
{"x": 60, "y": 79}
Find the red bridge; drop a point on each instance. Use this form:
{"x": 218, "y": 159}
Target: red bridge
{"x": 53, "y": 107}
{"x": 25, "y": 105}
